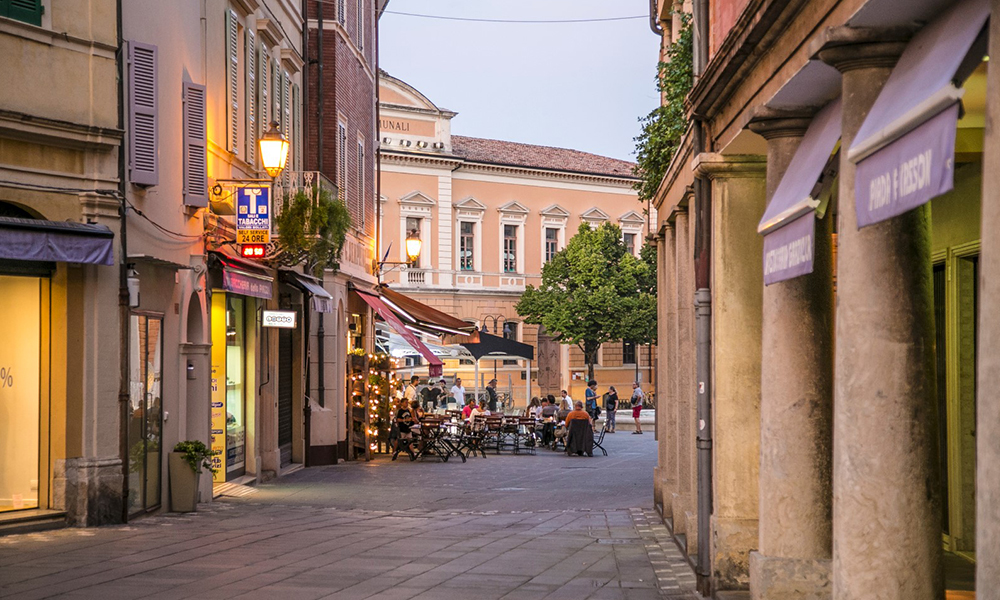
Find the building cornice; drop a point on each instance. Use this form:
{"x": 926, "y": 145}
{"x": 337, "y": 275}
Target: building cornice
{"x": 53, "y": 132}
{"x": 712, "y": 165}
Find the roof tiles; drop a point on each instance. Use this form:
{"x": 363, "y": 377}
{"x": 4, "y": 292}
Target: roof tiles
{"x": 501, "y": 152}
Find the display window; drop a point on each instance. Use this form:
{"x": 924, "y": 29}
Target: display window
{"x": 232, "y": 364}
{"x": 145, "y": 418}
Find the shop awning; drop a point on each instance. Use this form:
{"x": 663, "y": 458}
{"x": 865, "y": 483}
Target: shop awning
{"x": 789, "y": 223}
{"x": 322, "y": 301}
{"x": 905, "y": 149}
{"x": 436, "y": 365}
{"x": 421, "y": 315}
{"x": 55, "y": 241}
{"x": 242, "y": 277}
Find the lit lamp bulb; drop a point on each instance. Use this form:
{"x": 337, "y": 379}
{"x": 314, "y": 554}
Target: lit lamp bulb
{"x": 413, "y": 245}
{"x": 273, "y": 150}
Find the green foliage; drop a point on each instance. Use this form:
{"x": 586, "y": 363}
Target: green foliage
{"x": 197, "y": 454}
{"x": 312, "y": 227}
{"x": 593, "y": 291}
{"x": 663, "y": 128}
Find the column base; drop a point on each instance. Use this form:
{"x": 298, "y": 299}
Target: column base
{"x": 732, "y": 542}
{"x": 89, "y": 490}
{"x": 779, "y": 578}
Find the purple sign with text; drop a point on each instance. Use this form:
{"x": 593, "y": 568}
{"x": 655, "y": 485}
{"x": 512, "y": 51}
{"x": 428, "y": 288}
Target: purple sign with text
{"x": 788, "y": 250}
{"x": 909, "y": 171}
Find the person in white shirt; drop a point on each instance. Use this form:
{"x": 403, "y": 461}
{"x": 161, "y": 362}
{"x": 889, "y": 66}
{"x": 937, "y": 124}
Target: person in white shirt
{"x": 458, "y": 392}
{"x": 567, "y": 402}
{"x": 481, "y": 409}
{"x": 637, "y": 399}
{"x": 410, "y": 393}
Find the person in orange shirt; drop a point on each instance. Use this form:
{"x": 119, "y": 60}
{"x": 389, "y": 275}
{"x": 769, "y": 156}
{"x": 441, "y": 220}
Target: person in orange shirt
{"x": 578, "y": 413}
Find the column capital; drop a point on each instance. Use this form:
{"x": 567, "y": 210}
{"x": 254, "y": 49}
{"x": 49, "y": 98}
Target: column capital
{"x": 848, "y": 48}
{"x": 772, "y": 123}
{"x": 712, "y": 165}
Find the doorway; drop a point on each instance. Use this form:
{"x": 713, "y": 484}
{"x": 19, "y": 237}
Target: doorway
{"x": 145, "y": 412}
{"x": 285, "y": 349}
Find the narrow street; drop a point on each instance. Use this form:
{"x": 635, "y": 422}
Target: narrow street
{"x": 511, "y": 527}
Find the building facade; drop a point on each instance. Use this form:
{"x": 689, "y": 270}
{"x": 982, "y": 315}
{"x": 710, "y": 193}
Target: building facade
{"x": 826, "y": 274}
{"x": 489, "y": 213}
{"x": 61, "y": 135}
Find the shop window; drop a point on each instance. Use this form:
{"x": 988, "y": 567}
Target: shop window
{"x": 145, "y": 421}
{"x": 235, "y": 386}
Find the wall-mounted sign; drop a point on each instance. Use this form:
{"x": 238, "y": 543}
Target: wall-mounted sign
{"x": 253, "y": 215}
{"x": 284, "y": 319}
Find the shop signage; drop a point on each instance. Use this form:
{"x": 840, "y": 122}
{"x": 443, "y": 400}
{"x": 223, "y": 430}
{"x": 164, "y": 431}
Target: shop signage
{"x": 788, "y": 250}
{"x": 282, "y": 319}
{"x": 253, "y": 215}
{"x": 908, "y": 172}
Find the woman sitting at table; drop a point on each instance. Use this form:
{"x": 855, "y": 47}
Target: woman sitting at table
{"x": 404, "y": 422}
{"x": 480, "y": 410}
{"x": 533, "y": 408}
{"x": 417, "y": 410}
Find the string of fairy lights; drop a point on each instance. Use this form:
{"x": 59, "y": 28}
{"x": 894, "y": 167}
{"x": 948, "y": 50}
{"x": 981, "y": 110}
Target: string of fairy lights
{"x": 382, "y": 387}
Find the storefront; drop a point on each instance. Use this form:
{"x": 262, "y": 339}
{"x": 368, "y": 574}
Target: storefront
{"x": 33, "y": 253}
{"x": 239, "y": 288}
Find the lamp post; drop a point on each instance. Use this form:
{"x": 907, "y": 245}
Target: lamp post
{"x": 495, "y": 330}
{"x": 273, "y": 150}
{"x": 412, "y": 244}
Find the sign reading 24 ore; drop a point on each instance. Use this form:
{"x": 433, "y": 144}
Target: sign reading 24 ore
{"x": 253, "y": 215}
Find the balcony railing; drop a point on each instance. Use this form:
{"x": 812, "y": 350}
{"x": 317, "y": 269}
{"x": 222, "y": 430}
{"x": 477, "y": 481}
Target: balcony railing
{"x": 292, "y": 182}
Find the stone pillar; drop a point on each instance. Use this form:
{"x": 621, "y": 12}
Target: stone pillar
{"x": 886, "y": 489}
{"x": 796, "y": 445}
{"x": 666, "y": 469}
{"x": 685, "y": 505}
{"x": 738, "y": 197}
{"x": 988, "y": 355}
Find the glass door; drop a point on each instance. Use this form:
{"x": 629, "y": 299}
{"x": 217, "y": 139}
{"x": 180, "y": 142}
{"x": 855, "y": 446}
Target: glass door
{"x": 145, "y": 422}
{"x": 235, "y": 386}
{"x": 20, "y": 391}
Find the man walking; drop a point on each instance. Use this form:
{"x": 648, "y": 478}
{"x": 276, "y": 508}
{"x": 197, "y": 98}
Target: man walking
{"x": 458, "y": 393}
{"x": 410, "y": 393}
{"x": 637, "y": 399}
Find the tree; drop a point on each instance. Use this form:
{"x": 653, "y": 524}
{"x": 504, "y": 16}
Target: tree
{"x": 594, "y": 291}
{"x": 312, "y": 227}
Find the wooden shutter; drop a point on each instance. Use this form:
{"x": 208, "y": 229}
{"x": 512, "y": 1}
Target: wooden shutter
{"x": 26, "y": 11}
{"x": 342, "y": 11}
{"x": 342, "y": 166}
{"x": 251, "y": 89}
{"x": 142, "y": 132}
{"x": 361, "y": 24}
{"x": 195, "y": 156}
{"x": 296, "y": 127}
{"x": 286, "y": 105}
{"x": 276, "y": 91}
{"x": 232, "y": 80}
{"x": 361, "y": 183}
{"x": 264, "y": 103}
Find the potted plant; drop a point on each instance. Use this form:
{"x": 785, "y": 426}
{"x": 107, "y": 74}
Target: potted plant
{"x": 186, "y": 462}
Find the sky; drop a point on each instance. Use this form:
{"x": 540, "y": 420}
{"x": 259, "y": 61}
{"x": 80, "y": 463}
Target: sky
{"x": 581, "y": 85}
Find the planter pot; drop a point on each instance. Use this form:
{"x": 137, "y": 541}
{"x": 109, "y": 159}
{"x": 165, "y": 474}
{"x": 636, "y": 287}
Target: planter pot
{"x": 183, "y": 484}
{"x": 357, "y": 363}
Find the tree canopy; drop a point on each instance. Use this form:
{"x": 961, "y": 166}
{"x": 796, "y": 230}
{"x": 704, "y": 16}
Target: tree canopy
{"x": 594, "y": 291}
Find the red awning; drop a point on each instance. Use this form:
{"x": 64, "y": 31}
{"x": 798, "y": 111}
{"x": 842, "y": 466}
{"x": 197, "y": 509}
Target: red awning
{"x": 390, "y": 317}
{"x": 426, "y": 317}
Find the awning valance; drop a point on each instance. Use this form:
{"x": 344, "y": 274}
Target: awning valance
{"x": 436, "y": 366}
{"x": 789, "y": 222}
{"x": 322, "y": 301}
{"x": 242, "y": 276}
{"x": 905, "y": 149}
{"x": 55, "y": 241}
{"x": 419, "y": 314}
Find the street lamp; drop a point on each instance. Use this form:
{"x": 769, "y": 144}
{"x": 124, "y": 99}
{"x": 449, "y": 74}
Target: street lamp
{"x": 273, "y": 150}
{"x": 413, "y": 245}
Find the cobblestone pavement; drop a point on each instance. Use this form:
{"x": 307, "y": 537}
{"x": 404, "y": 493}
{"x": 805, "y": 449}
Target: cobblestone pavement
{"x": 511, "y": 527}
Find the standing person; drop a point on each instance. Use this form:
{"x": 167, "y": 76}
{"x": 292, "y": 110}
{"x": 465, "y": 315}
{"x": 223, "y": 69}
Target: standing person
{"x": 610, "y": 406}
{"x": 637, "y": 398}
{"x": 410, "y": 393}
{"x": 458, "y": 393}
{"x": 431, "y": 394}
{"x": 590, "y": 398}
{"x": 491, "y": 393}
{"x": 567, "y": 402}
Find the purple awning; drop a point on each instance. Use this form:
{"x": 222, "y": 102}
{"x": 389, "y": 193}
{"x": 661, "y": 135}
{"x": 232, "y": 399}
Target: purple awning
{"x": 55, "y": 241}
{"x": 243, "y": 277}
{"x": 789, "y": 223}
{"x": 917, "y": 103}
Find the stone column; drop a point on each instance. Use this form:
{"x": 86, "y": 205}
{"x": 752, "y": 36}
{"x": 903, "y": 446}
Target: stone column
{"x": 665, "y": 475}
{"x": 988, "y": 355}
{"x": 685, "y": 505}
{"x": 886, "y": 488}
{"x": 738, "y": 196}
{"x": 796, "y": 445}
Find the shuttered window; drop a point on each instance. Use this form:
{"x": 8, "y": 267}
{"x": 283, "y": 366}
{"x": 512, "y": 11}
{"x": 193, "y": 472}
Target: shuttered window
{"x": 251, "y": 97}
{"x": 342, "y": 11}
{"x": 233, "y": 80}
{"x": 142, "y": 138}
{"x": 342, "y": 168}
{"x": 276, "y": 90}
{"x": 361, "y": 24}
{"x": 296, "y": 128}
{"x": 27, "y": 11}
{"x": 195, "y": 163}
{"x": 264, "y": 100}
{"x": 361, "y": 184}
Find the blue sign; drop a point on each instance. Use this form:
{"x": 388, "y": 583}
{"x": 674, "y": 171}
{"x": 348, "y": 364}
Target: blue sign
{"x": 253, "y": 212}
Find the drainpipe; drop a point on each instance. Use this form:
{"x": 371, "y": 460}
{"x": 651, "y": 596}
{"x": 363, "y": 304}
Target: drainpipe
{"x": 320, "y": 331}
{"x": 378, "y": 157}
{"x": 654, "y": 23}
{"x": 123, "y": 296}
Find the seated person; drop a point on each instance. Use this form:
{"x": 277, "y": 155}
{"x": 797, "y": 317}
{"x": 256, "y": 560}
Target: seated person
{"x": 404, "y": 422}
{"x": 480, "y": 410}
{"x": 467, "y": 410}
{"x": 548, "y": 410}
{"x": 578, "y": 413}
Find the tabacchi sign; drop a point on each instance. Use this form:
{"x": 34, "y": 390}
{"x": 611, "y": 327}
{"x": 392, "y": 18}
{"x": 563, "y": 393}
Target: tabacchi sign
{"x": 253, "y": 215}
{"x": 283, "y": 319}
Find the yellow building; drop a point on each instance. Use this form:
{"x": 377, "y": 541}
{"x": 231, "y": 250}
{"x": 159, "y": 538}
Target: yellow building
{"x": 489, "y": 214}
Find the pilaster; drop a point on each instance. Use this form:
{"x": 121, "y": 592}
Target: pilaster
{"x": 666, "y": 434}
{"x": 738, "y": 191}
